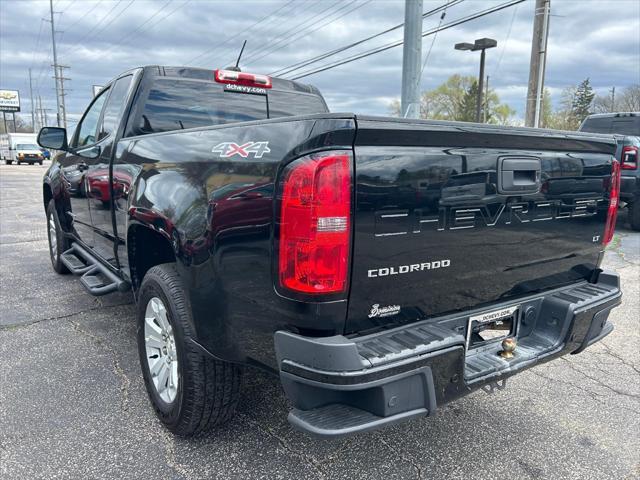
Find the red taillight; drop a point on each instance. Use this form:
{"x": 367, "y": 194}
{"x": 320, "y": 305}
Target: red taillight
{"x": 315, "y": 223}
{"x": 241, "y": 78}
{"x": 629, "y": 158}
{"x": 614, "y": 196}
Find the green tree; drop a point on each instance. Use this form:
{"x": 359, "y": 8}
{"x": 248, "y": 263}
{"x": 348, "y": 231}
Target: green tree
{"x": 547, "y": 110}
{"x": 455, "y": 99}
{"x": 469, "y": 101}
{"x": 582, "y": 101}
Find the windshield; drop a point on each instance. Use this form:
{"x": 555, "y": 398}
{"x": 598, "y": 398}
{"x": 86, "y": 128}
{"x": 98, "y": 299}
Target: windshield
{"x": 27, "y": 146}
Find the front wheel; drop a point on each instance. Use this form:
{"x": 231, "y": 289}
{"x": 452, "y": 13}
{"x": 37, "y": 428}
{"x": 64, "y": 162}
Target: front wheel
{"x": 190, "y": 391}
{"x": 9, "y": 162}
{"x": 58, "y": 243}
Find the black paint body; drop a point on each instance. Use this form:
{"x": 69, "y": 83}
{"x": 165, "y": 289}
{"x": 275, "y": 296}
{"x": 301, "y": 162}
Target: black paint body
{"x": 217, "y": 217}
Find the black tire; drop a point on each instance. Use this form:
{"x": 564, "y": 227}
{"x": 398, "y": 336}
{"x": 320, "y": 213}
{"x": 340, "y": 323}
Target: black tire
{"x": 40, "y": 163}
{"x": 62, "y": 243}
{"x": 634, "y": 214}
{"x": 208, "y": 390}
{"x": 9, "y": 162}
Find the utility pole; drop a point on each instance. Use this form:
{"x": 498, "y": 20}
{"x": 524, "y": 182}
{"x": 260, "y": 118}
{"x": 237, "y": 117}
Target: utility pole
{"x": 59, "y": 99}
{"x": 537, "y": 62}
{"x": 486, "y": 101}
{"x": 62, "y": 111}
{"x": 43, "y": 113}
{"x": 613, "y": 99}
{"x": 411, "y": 59}
{"x": 33, "y": 110}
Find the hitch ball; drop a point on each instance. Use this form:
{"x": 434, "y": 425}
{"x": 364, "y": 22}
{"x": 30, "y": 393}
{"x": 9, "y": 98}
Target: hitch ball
{"x": 508, "y": 347}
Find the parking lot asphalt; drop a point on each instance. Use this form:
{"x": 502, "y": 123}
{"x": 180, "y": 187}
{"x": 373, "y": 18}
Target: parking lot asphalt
{"x": 73, "y": 404}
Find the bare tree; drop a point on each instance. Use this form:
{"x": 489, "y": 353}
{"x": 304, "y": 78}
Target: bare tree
{"x": 628, "y": 100}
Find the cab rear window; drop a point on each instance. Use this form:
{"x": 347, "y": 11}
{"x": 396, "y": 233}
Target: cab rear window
{"x": 177, "y": 104}
{"x": 619, "y": 125}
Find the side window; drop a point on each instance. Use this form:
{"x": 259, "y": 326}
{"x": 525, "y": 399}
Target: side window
{"x": 89, "y": 125}
{"x": 114, "y": 106}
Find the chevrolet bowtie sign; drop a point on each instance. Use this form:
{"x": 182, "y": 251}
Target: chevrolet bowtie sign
{"x": 9, "y": 101}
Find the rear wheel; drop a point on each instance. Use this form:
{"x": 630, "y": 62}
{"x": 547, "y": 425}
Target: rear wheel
{"x": 189, "y": 391}
{"x": 9, "y": 162}
{"x": 58, "y": 243}
{"x": 634, "y": 214}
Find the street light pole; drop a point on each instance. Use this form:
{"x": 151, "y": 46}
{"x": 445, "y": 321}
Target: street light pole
{"x": 481, "y": 44}
{"x": 480, "y": 87}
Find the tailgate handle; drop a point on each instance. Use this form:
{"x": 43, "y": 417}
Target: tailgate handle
{"x": 519, "y": 175}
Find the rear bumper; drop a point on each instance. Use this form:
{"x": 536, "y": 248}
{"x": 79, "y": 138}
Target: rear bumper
{"x": 340, "y": 385}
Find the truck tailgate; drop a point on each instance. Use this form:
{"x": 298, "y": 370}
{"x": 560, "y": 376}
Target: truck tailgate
{"x": 450, "y": 217}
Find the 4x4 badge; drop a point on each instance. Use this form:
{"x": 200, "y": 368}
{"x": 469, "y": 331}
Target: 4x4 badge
{"x": 229, "y": 149}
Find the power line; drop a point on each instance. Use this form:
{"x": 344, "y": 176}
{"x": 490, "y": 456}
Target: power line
{"x": 210, "y": 51}
{"x": 400, "y": 42}
{"x": 115, "y": 17}
{"x": 35, "y": 49}
{"x": 433, "y": 41}
{"x": 100, "y": 22}
{"x": 309, "y": 61}
{"x": 83, "y": 16}
{"x": 128, "y": 35}
{"x": 318, "y": 27}
{"x": 283, "y": 37}
{"x": 67, "y": 7}
{"x": 504, "y": 43}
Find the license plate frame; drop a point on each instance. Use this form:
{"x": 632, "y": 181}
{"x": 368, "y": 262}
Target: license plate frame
{"x": 498, "y": 319}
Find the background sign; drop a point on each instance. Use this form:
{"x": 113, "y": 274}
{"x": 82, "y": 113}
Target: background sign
{"x": 9, "y": 101}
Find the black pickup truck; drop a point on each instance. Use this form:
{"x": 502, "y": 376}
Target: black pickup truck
{"x": 627, "y": 125}
{"x": 381, "y": 267}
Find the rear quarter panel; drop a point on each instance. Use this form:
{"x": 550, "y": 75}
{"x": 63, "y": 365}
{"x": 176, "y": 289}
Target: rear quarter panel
{"x": 218, "y": 213}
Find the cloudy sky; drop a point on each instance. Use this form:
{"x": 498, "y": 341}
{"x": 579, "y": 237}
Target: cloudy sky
{"x": 100, "y": 38}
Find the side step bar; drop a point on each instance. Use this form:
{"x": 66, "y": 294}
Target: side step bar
{"x": 97, "y": 278}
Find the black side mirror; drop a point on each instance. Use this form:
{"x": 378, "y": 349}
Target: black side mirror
{"x": 53, "y": 137}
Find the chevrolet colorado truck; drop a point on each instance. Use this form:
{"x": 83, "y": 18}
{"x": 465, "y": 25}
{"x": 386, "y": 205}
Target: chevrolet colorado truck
{"x": 626, "y": 124}
{"x": 380, "y": 267}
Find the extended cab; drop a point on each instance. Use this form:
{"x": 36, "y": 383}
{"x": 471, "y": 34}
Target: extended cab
{"x": 627, "y": 125}
{"x": 381, "y": 267}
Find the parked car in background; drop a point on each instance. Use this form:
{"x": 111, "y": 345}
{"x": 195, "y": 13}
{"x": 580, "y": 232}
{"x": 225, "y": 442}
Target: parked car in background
{"x": 627, "y": 124}
{"x": 46, "y": 153}
{"x": 20, "y": 148}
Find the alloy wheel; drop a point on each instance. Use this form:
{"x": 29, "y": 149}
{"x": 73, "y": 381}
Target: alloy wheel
{"x": 160, "y": 347}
